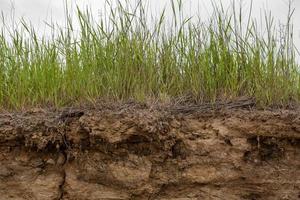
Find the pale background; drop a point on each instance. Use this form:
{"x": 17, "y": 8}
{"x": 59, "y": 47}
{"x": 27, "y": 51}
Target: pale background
{"x": 39, "y": 11}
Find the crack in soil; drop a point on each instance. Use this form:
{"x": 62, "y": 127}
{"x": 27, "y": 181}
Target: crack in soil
{"x": 61, "y": 186}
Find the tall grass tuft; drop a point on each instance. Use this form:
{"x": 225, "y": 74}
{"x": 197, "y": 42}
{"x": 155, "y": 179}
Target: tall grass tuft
{"x": 122, "y": 56}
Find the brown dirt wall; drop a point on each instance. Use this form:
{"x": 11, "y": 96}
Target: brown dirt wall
{"x": 139, "y": 151}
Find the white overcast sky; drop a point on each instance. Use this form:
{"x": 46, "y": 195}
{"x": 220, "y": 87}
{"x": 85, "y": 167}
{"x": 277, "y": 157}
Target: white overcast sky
{"x": 39, "y": 11}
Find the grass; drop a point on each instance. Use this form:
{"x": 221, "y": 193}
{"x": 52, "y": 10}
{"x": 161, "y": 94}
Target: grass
{"x": 121, "y": 57}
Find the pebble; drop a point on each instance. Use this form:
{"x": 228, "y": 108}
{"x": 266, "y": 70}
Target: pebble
{"x": 61, "y": 159}
{"x": 50, "y": 161}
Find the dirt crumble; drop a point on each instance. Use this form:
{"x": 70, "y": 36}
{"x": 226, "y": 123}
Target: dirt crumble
{"x": 137, "y": 151}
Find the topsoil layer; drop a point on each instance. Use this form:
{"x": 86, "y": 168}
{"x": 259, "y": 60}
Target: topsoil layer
{"x": 133, "y": 151}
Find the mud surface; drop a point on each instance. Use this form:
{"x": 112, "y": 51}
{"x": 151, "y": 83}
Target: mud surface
{"x": 135, "y": 151}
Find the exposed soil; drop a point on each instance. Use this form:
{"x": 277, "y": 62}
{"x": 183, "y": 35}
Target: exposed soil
{"x": 134, "y": 151}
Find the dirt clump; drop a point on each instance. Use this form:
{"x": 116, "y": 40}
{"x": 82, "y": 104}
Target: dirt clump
{"x": 137, "y": 151}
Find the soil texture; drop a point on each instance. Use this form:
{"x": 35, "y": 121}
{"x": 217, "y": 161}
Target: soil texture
{"x": 138, "y": 151}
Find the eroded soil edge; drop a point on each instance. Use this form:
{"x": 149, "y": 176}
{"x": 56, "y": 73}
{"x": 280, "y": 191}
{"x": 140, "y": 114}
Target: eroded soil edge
{"x": 141, "y": 152}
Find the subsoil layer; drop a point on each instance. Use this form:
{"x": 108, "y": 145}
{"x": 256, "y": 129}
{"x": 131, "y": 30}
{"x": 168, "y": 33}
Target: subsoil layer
{"x": 140, "y": 151}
